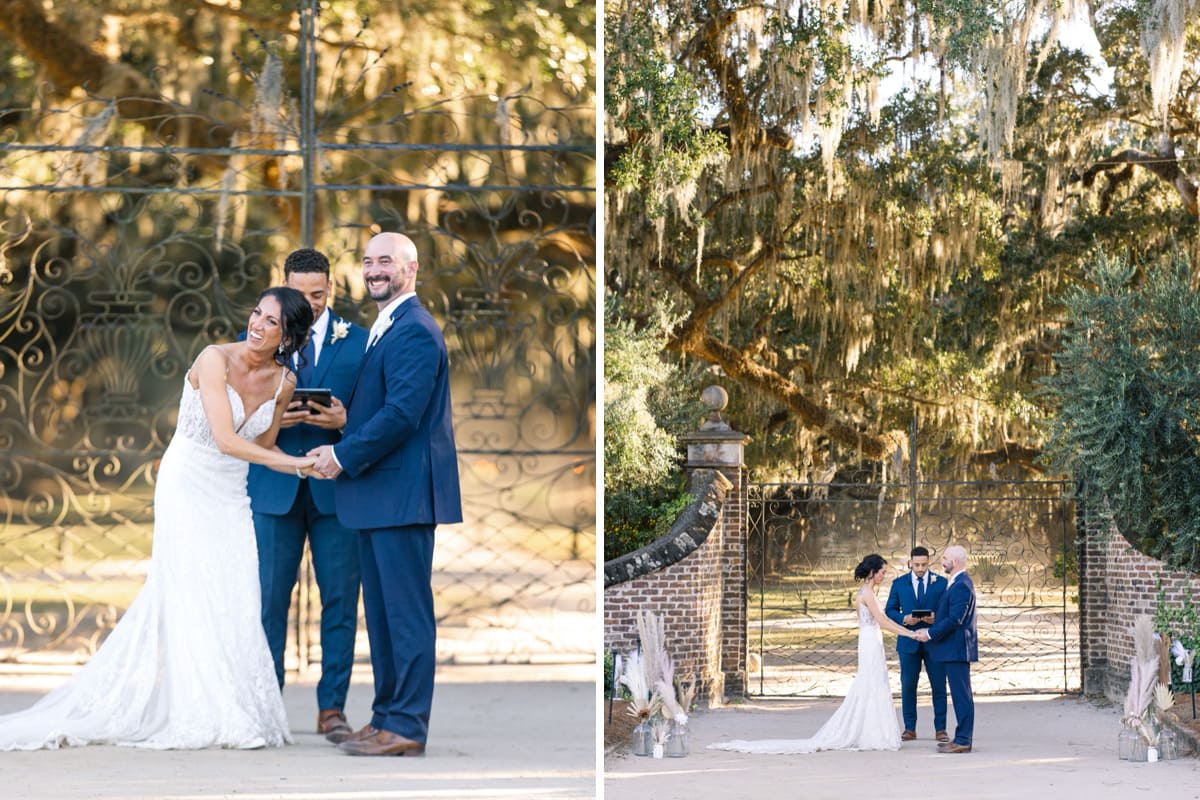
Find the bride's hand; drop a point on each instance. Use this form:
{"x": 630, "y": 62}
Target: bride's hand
{"x": 305, "y": 469}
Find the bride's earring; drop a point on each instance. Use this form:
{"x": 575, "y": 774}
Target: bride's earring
{"x": 281, "y": 348}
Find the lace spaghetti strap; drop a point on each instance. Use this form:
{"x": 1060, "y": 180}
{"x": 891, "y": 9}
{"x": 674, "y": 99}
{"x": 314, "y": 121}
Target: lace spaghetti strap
{"x": 283, "y": 373}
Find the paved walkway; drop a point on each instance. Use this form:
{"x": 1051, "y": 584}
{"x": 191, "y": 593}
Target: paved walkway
{"x": 497, "y": 732}
{"x": 1045, "y": 747}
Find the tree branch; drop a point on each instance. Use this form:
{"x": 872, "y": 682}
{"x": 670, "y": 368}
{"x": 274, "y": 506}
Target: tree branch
{"x": 740, "y": 367}
{"x": 69, "y": 63}
{"x": 1119, "y": 167}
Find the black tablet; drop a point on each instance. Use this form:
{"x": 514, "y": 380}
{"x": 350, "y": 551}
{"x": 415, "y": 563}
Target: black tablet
{"x": 918, "y": 613}
{"x": 311, "y": 397}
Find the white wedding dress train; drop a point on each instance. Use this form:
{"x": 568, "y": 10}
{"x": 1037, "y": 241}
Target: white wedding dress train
{"x": 187, "y": 666}
{"x": 866, "y": 719}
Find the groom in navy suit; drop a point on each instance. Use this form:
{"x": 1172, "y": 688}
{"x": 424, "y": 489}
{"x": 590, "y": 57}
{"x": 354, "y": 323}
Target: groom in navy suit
{"x": 287, "y": 509}
{"x": 954, "y": 641}
{"x": 920, "y": 589}
{"x": 398, "y": 479}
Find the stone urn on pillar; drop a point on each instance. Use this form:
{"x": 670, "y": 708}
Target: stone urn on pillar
{"x": 717, "y": 446}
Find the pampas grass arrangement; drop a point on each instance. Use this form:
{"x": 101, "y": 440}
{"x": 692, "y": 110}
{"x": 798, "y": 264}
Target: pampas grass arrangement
{"x": 644, "y": 702}
{"x": 654, "y": 646}
{"x": 657, "y": 695}
{"x": 1143, "y": 675}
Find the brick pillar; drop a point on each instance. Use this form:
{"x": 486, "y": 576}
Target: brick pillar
{"x": 717, "y": 446}
{"x": 1094, "y": 613}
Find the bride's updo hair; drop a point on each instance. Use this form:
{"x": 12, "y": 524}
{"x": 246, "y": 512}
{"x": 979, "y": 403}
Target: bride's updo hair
{"x": 296, "y": 317}
{"x": 869, "y": 566}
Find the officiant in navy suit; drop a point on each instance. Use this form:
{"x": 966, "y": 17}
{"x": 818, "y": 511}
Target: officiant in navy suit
{"x": 954, "y": 641}
{"x": 397, "y": 479}
{"x": 288, "y": 509}
{"x": 918, "y": 590}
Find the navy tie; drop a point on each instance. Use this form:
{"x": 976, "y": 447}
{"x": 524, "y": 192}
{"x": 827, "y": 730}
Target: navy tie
{"x": 920, "y": 592}
{"x": 308, "y": 359}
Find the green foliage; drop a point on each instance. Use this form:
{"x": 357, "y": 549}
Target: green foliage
{"x": 659, "y": 106}
{"x": 1067, "y": 568}
{"x": 635, "y": 517}
{"x": 647, "y": 403}
{"x": 1127, "y": 398}
{"x": 1180, "y": 622}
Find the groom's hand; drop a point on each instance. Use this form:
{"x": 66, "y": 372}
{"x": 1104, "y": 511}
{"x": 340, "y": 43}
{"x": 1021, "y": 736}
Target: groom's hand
{"x": 324, "y": 461}
{"x": 331, "y": 418}
{"x": 922, "y": 635}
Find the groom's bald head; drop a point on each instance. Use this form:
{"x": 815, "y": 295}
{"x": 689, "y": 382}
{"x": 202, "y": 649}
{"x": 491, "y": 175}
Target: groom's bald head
{"x": 955, "y": 558}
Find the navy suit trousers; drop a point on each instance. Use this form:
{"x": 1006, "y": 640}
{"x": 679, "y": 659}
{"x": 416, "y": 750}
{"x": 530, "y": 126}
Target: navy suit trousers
{"x": 958, "y": 674}
{"x": 910, "y": 675}
{"x": 400, "y": 625}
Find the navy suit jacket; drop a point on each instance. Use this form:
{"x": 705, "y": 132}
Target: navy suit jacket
{"x": 953, "y": 636}
{"x": 398, "y": 456}
{"x": 274, "y": 492}
{"x": 903, "y": 598}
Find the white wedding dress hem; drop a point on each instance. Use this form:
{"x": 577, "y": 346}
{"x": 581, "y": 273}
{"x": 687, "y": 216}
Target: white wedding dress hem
{"x": 866, "y": 719}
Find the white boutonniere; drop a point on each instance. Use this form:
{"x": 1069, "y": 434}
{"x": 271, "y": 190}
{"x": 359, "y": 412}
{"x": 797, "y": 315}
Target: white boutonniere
{"x": 341, "y": 329}
{"x": 378, "y": 330}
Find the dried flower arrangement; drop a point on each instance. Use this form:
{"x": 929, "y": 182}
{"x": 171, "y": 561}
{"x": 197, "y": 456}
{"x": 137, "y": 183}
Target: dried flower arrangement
{"x": 658, "y": 694}
{"x": 1143, "y": 675}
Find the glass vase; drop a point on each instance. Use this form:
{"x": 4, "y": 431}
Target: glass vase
{"x": 1168, "y": 746}
{"x": 643, "y": 739}
{"x": 677, "y": 744}
{"x": 1125, "y": 744}
{"x": 1139, "y": 750}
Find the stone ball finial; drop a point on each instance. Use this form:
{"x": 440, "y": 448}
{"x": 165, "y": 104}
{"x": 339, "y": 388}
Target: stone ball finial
{"x": 715, "y": 399}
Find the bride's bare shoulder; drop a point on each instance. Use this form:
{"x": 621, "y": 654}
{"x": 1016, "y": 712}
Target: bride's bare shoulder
{"x": 210, "y": 358}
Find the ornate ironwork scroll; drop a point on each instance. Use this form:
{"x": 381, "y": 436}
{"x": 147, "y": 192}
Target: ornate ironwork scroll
{"x": 134, "y": 234}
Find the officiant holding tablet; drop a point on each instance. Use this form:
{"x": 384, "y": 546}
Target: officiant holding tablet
{"x": 289, "y": 509}
{"x": 910, "y": 603}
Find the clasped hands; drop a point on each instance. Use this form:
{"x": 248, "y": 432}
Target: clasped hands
{"x": 324, "y": 465}
{"x": 921, "y": 635}
{"x": 318, "y": 463}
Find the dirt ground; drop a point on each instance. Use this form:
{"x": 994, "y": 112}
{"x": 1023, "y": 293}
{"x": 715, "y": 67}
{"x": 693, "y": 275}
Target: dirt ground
{"x": 1026, "y": 746}
{"x": 497, "y": 733}
{"x": 618, "y": 726}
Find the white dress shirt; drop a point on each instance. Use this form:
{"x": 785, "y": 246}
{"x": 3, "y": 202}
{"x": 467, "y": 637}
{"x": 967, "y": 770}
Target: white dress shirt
{"x": 318, "y": 332}
{"x": 381, "y": 324}
{"x": 384, "y": 320}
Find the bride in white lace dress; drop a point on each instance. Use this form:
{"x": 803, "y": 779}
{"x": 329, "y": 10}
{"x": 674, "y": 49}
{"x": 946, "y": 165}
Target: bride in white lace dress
{"x": 866, "y": 719}
{"x": 188, "y": 665}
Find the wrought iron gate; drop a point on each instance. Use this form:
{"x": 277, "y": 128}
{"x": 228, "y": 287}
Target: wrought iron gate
{"x": 805, "y": 540}
{"x": 137, "y": 228}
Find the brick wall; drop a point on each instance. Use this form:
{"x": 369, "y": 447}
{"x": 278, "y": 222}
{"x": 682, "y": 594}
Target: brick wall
{"x": 1117, "y": 583}
{"x": 701, "y": 600}
{"x": 733, "y": 568}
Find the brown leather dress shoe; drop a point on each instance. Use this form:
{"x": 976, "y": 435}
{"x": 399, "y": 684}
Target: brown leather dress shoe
{"x": 907, "y": 736}
{"x": 332, "y": 724}
{"x": 941, "y": 736}
{"x": 953, "y": 747}
{"x": 383, "y": 743}
{"x": 366, "y": 732}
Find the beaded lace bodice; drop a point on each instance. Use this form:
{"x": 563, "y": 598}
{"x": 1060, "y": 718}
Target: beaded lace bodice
{"x": 194, "y": 424}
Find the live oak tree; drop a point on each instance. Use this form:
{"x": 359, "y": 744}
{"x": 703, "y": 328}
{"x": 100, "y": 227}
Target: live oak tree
{"x": 225, "y": 74}
{"x": 863, "y": 212}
